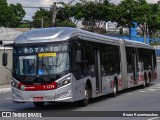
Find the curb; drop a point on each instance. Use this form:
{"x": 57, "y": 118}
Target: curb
{"x": 5, "y": 90}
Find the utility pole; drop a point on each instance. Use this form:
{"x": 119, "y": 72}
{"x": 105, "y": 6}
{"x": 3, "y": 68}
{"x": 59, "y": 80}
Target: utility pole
{"x": 145, "y": 30}
{"x": 54, "y": 14}
{"x": 55, "y": 10}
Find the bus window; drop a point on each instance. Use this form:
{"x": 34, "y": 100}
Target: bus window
{"x": 90, "y": 65}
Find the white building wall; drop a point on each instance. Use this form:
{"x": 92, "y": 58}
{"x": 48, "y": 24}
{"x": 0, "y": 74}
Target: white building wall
{"x": 5, "y": 74}
{"x": 8, "y": 34}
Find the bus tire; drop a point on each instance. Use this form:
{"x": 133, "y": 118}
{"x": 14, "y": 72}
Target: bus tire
{"x": 149, "y": 80}
{"x": 115, "y": 89}
{"x": 145, "y": 81}
{"x": 85, "y": 101}
{"x": 38, "y": 104}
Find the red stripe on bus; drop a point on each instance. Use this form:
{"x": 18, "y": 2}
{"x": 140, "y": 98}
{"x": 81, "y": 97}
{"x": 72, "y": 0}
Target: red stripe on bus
{"x": 140, "y": 77}
{"x": 50, "y": 86}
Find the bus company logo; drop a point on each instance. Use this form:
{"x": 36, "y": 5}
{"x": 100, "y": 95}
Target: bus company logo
{"x": 22, "y": 87}
{"x": 15, "y": 114}
{"x": 6, "y": 114}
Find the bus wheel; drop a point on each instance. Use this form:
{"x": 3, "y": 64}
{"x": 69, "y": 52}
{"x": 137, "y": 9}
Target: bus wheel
{"x": 38, "y": 104}
{"x": 145, "y": 82}
{"x": 115, "y": 89}
{"x": 85, "y": 101}
{"x": 149, "y": 81}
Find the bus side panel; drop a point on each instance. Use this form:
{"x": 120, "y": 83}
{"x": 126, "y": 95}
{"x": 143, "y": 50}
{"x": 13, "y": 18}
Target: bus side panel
{"x": 106, "y": 85}
{"x": 140, "y": 78}
{"x": 79, "y": 87}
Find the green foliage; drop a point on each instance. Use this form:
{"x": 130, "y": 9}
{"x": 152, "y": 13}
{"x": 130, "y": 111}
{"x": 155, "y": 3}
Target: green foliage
{"x": 23, "y": 25}
{"x": 63, "y": 18}
{"x": 10, "y": 15}
{"x": 94, "y": 15}
{"x": 65, "y": 23}
{"x": 44, "y": 14}
{"x": 17, "y": 14}
{"x": 139, "y": 11}
{"x": 153, "y": 21}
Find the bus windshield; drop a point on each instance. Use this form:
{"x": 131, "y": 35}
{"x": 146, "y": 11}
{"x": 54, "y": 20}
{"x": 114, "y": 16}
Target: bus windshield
{"x": 40, "y": 60}
{"x": 27, "y": 65}
{"x": 53, "y": 63}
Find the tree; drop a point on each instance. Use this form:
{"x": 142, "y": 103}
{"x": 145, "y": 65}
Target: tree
{"x": 42, "y": 14}
{"x": 95, "y": 15}
{"x": 129, "y": 11}
{"x": 62, "y": 18}
{"x": 153, "y": 21}
{"x": 65, "y": 16}
{"x": 10, "y": 15}
{"x": 25, "y": 24}
{"x": 139, "y": 11}
{"x": 17, "y": 14}
{"x": 4, "y": 13}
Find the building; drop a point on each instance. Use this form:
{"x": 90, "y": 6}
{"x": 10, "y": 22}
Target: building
{"x": 7, "y": 35}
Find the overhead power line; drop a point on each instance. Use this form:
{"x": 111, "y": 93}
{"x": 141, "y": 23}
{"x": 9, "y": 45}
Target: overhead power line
{"x": 34, "y": 7}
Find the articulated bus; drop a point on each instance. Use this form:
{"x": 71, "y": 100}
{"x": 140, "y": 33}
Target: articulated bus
{"x": 68, "y": 64}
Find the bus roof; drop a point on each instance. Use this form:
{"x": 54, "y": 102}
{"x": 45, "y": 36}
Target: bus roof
{"x": 56, "y": 34}
{"x": 131, "y": 43}
{"x": 61, "y": 34}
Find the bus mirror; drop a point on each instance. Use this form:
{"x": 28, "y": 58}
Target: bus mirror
{"x": 78, "y": 56}
{"x": 4, "y": 59}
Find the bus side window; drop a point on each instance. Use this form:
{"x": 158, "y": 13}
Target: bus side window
{"x": 90, "y": 65}
{"x": 81, "y": 69}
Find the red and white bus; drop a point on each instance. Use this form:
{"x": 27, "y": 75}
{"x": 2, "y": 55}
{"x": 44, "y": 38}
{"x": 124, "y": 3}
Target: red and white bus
{"x": 70, "y": 64}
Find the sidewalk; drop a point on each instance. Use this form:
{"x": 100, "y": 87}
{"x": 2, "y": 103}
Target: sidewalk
{"x": 5, "y": 88}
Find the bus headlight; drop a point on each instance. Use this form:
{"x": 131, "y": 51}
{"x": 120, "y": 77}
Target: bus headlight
{"x": 63, "y": 82}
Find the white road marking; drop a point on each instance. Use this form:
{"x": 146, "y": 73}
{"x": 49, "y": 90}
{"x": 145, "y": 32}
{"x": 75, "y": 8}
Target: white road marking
{"x": 8, "y": 98}
{"x": 142, "y": 91}
{"x": 5, "y": 89}
{"x": 151, "y": 89}
{"x": 157, "y": 87}
{"x": 153, "y": 118}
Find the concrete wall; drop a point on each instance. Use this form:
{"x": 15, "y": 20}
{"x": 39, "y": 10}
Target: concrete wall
{"x": 5, "y": 74}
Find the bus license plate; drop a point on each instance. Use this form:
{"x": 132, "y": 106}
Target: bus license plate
{"x": 37, "y": 98}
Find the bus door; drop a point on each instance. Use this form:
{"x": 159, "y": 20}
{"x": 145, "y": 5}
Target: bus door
{"x": 135, "y": 65}
{"x": 153, "y": 65}
{"x": 98, "y": 71}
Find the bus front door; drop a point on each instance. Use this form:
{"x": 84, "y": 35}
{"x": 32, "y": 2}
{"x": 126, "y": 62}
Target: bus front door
{"x": 98, "y": 71}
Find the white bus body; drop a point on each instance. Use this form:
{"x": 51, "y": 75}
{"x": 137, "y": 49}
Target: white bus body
{"x": 106, "y": 65}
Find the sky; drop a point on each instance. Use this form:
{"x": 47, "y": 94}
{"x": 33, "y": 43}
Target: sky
{"x": 47, "y": 3}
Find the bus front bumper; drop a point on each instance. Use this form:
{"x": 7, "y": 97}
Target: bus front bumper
{"x": 63, "y": 94}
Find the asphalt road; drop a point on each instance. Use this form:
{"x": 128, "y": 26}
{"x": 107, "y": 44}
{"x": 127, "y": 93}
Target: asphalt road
{"x": 135, "y": 99}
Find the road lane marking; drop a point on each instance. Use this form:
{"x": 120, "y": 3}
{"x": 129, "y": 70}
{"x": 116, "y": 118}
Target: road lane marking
{"x": 5, "y": 89}
{"x": 8, "y": 98}
{"x": 151, "y": 89}
{"x": 153, "y": 118}
{"x": 142, "y": 91}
